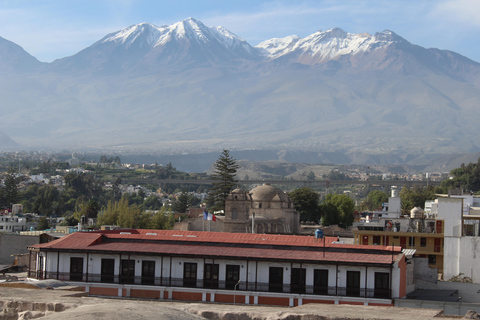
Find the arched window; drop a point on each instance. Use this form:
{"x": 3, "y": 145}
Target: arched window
{"x": 234, "y": 213}
{"x": 260, "y": 206}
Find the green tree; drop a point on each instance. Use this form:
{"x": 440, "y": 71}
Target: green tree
{"x": 70, "y": 221}
{"x": 75, "y": 182}
{"x": 152, "y": 203}
{"x": 375, "y": 199}
{"x": 43, "y": 224}
{"x": 311, "y": 176}
{"x": 344, "y": 205}
{"x": 467, "y": 177}
{"x": 89, "y": 209}
{"x": 83, "y": 185}
{"x": 128, "y": 215}
{"x": 163, "y": 219}
{"x": 109, "y": 215}
{"x": 46, "y": 200}
{"x": 306, "y": 202}
{"x": 225, "y": 170}
{"x": 3, "y": 199}
{"x": 181, "y": 204}
{"x": 416, "y": 197}
{"x": 92, "y": 208}
{"x": 122, "y": 214}
{"x": 11, "y": 193}
{"x": 116, "y": 192}
{"x": 330, "y": 214}
{"x": 28, "y": 197}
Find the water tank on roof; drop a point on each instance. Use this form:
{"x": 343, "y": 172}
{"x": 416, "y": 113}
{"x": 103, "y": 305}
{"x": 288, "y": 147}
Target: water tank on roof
{"x": 394, "y": 192}
{"x": 318, "y": 234}
{"x": 416, "y": 213}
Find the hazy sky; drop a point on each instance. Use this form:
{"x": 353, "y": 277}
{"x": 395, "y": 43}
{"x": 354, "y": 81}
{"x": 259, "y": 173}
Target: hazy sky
{"x": 53, "y": 29}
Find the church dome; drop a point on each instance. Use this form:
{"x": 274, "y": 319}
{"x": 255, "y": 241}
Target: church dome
{"x": 266, "y": 192}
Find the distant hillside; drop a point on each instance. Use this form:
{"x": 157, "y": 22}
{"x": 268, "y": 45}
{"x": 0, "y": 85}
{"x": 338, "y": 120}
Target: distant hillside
{"x": 331, "y": 97}
{"x": 6, "y": 142}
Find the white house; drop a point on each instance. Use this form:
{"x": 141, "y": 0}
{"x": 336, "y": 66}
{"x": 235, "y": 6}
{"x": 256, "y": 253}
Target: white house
{"x": 461, "y": 236}
{"x": 223, "y": 267}
{"x": 12, "y": 223}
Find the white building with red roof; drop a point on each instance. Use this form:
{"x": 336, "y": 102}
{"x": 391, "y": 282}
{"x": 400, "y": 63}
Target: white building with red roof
{"x": 223, "y": 267}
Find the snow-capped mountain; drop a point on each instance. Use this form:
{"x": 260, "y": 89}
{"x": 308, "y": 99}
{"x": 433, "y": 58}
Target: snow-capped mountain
{"x": 147, "y": 46}
{"x": 149, "y": 35}
{"x": 384, "y": 50}
{"x": 186, "y": 85}
{"x": 323, "y": 46}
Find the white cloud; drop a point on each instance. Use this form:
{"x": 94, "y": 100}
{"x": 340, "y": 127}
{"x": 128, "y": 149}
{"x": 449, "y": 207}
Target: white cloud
{"x": 460, "y": 12}
{"x": 276, "y": 20}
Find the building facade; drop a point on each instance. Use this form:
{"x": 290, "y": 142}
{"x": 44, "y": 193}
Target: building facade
{"x": 264, "y": 209}
{"x": 390, "y": 228}
{"x": 222, "y": 267}
{"x": 462, "y": 235}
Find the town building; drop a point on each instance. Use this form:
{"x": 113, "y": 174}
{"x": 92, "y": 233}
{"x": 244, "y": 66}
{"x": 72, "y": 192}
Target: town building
{"x": 15, "y": 221}
{"x": 389, "y": 227}
{"x": 264, "y": 209}
{"x": 460, "y": 214}
{"x": 223, "y": 267}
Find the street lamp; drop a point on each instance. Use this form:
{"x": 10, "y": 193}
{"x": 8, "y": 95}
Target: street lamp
{"x": 235, "y": 291}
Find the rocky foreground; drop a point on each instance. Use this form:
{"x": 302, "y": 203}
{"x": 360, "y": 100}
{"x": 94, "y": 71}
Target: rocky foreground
{"x": 22, "y": 303}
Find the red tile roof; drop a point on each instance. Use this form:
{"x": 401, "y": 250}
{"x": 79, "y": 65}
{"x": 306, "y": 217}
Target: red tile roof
{"x": 222, "y": 245}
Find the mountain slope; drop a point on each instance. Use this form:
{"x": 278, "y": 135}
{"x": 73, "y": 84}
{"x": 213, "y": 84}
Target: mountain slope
{"x": 147, "y": 48}
{"x": 384, "y": 50}
{"x": 14, "y": 59}
{"x": 188, "y": 87}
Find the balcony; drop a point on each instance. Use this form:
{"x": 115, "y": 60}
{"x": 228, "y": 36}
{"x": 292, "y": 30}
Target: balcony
{"x": 199, "y": 283}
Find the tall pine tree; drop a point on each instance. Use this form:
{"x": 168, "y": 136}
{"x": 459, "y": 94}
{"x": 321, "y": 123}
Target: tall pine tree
{"x": 12, "y": 195}
{"x": 225, "y": 180}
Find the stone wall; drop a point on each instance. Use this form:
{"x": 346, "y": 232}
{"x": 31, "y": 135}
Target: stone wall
{"x": 11, "y": 243}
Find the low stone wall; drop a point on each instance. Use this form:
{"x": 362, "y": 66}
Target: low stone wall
{"x": 13, "y": 310}
{"x": 450, "y": 308}
{"x": 469, "y": 292}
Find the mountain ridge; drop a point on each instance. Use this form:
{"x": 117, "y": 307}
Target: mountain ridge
{"x": 187, "y": 86}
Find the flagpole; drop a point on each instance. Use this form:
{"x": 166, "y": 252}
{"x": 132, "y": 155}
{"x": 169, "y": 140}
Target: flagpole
{"x": 253, "y": 222}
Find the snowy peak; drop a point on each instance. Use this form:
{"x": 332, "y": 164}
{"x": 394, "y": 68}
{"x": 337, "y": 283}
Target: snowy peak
{"x": 194, "y": 30}
{"x": 278, "y": 46}
{"x": 188, "y": 30}
{"x": 334, "y": 33}
{"x": 389, "y": 36}
{"x": 231, "y": 40}
{"x": 145, "y": 46}
{"x": 322, "y": 46}
{"x": 145, "y": 34}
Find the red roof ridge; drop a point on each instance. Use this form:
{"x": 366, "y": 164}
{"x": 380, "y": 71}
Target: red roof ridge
{"x": 72, "y": 241}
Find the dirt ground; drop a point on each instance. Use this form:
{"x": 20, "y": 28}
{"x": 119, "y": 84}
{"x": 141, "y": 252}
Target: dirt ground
{"x": 18, "y": 303}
